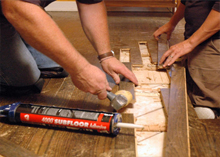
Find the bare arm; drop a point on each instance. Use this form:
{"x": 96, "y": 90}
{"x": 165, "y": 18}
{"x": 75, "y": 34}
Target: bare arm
{"x": 207, "y": 29}
{"x": 40, "y": 31}
{"x": 94, "y": 22}
{"x": 169, "y": 27}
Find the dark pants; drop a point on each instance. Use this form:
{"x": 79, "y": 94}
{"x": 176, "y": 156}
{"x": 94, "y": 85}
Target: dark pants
{"x": 19, "y": 62}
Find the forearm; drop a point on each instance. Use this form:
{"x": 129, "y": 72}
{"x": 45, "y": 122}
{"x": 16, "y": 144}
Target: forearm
{"x": 95, "y": 25}
{"x": 40, "y": 31}
{"x": 178, "y": 15}
{"x": 207, "y": 29}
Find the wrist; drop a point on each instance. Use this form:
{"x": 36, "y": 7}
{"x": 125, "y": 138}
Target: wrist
{"x": 106, "y": 55}
{"x": 103, "y": 59}
{"x": 192, "y": 42}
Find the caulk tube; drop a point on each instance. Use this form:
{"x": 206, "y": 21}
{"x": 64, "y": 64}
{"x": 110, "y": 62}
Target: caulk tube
{"x": 102, "y": 122}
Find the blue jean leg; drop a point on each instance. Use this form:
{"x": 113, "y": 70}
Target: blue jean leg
{"x": 41, "y": 60}
{"x": 17, "y": 66}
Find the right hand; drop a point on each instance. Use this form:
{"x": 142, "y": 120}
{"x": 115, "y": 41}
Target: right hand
{"x": 91, "y": 79}
{"x": 113, "y": 67}
{"x": 167, "y": 29}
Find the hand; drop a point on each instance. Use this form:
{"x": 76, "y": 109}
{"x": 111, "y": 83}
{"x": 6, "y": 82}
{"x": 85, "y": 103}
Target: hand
{"x": 175, "y": 52}
{"x": 167, "y": 28}
{"x": 91, "y": 79}
{"x": 113, "y": 67}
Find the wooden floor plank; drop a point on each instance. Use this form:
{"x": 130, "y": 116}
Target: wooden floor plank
{"x": 204, "y": 135}
{"x": 140, "y": 3}
{"x": 9, "y": 149}
{"x": 177, "y": 142}
{"x": 163, "y": 46}
{"x": 165, "y": 95}
{"x": 136, "y": 57}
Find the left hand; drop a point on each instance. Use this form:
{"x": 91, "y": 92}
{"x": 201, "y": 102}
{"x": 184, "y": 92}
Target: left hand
{"x": 113, "y": 67}
{"x": 176, "y": 51}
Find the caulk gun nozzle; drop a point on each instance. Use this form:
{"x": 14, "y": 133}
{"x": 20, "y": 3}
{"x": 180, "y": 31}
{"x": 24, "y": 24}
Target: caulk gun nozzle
{"x": 128, "y": 125}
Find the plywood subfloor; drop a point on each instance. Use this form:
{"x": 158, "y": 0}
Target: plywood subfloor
{"x": 148, "y": 109}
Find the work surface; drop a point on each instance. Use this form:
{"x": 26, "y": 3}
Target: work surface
{"x": 126, "y": 30}
{"x": 62, "y": 93}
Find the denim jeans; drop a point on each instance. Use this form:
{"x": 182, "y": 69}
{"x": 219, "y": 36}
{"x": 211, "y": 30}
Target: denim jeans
{"x": 19, "y": 62}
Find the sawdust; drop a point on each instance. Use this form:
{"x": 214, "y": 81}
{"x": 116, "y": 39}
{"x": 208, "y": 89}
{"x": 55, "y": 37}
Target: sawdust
{"x": 106, "y": 154}
{"x": 4, "y": 134}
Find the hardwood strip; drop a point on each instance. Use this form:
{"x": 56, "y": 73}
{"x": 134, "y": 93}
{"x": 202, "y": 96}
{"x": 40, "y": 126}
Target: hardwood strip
{"x": 154, "y": 128}
{"x": 136, "y": 58}
{"x": 40, "y": 141}
{"x": 125, "y": 143}
{"x": 163, "y": 46}
{"x": 204, "y": 135}
{"x": 21, "y": 134}
{"x": 165, "y": 94}
{"x": 9, "y": 149}
{"x": 152, "y": 49}
{"x": 139, "y": 4}
{"x": 79, "y": 143}
{"x": 177, "y": 142}
{"x": 142, "y": 0}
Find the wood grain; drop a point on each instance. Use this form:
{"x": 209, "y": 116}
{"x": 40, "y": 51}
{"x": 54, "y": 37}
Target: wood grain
{"x": 140, "y": 3}
{"x": 163, "y": 46}
{"x": 165, "y": 95}
{"x": 177, "y": 142}
{"x": 9, "y": 149}
{"x": 204, "y": 135}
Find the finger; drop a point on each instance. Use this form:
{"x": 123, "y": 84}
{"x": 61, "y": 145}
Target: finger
{"x": 108, "y": 88}
{"x": 102, "y": 95}
{"x": 156, "y": 35}
{"x": 170, "y": 60}
{"x": 132, "y": 78}
{"x": 173, "y": 60}
{"x": 115, "y": 77}
{"x": 165, "y": 57}
{"x": 129, "y": 75}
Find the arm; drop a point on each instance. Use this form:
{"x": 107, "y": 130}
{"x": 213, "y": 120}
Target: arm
{"x": 38, "y": 29}
{"x": 210, "y": 26}
{"x": 170, "y": 26}
{"x": 94, "y": 22}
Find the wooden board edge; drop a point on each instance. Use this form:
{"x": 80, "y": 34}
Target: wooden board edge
{"x": 173, "y": 145}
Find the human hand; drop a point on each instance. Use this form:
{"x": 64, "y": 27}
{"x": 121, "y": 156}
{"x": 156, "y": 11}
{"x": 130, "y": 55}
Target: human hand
{"x": 91, "y": 79}
{"x": 175, "y": 52}
{"x": 167, "y": 28}
{"x": 113, "y": 67}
